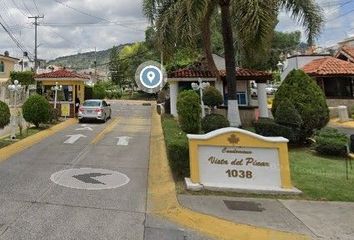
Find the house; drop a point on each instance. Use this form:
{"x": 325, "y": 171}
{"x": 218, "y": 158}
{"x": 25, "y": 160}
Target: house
{"x": 346, "y": 53}
{"x": 347, "y": 42}
{"x": 181, "y": 79}
{"x": 72, "y": 87}
{"x": 7, "y": 65}
{"x": 336, "y": 79}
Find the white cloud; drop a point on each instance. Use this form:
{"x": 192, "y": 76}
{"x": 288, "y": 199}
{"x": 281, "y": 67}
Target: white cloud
{"x": 117, "y": 22}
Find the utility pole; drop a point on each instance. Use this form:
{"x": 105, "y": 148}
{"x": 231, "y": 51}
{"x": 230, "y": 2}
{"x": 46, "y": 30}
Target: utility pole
{"x": 95, "y": 64}
{"x": 35, "y": 40}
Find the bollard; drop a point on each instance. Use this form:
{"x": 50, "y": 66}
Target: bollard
{"x": 343, "y": 114}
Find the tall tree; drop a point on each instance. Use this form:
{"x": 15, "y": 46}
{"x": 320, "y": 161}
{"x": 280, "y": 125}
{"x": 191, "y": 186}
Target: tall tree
{"x": 255, "y": 21}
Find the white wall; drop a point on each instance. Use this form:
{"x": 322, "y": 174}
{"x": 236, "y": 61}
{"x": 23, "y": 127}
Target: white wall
{"x": 298, "y": 62}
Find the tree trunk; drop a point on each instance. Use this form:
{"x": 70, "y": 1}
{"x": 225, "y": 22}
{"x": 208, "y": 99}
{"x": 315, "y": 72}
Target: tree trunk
{"x": 233, "y": 111}
{"x": 206, "y": 38}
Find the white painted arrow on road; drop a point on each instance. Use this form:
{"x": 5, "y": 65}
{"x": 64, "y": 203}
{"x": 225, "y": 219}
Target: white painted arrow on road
{"x": 123, "y": 141}
{"x": 73, "y": 138}
{"x": 83, "y": 128}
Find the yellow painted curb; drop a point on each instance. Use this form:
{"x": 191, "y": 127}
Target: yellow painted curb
{"x": 8, "y": 151}
{"x": 349, "y": 124}
{"x": 162, "y": 201}
{"x": 105, "y": 131}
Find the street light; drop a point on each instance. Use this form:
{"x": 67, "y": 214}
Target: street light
{"x": 15, "y": 88}
{"x": 280, "y": 66}
{"x": 201, "y": 86}
{"x": 56, "y": 88}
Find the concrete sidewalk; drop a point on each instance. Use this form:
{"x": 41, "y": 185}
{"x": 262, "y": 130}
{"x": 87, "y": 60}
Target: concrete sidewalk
{"x": 320, "y": 220}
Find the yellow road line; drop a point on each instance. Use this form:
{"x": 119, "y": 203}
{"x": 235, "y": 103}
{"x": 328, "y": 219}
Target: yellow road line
{"x": 162, "y": 201}
{"x": 8, "y": 151}
{"x": 105, "y": 131}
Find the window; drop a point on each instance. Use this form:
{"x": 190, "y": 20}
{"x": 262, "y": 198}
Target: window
{"x": 242, "y": 99}
{"x": 2, "y": 67}
{"x": 338, "y": 87}
{"x": 92, "y": 104}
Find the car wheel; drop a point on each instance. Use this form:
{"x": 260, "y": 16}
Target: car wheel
{"x": 105, "y": 118}
{"x": 81, "y": 121}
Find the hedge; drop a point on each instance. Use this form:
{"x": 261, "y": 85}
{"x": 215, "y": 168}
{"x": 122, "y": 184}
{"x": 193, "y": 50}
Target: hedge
{"x": 269, "y": 128}
{"x": 330, "y": 141}
{"x": 213, "y": 122}
{"x": 177, "y": 147}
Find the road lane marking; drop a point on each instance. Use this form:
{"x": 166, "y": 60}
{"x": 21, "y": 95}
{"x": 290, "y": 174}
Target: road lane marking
{"x": 89, "y": 178}
{"x": 105, "y": 131}
{"x": 84, "y": 128}
{"x": 74, "y": 138}
{"x": 123, "y": 141}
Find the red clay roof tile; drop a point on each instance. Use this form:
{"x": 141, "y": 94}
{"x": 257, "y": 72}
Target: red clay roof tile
{"x": 63, "y": 73}
{"x": 329, "y": 66}
{"x": 241, "y": 73}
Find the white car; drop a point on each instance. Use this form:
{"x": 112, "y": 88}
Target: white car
{"x": 95, "y": 109}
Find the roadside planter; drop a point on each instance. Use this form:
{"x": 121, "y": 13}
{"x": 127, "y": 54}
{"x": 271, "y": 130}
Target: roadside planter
{"x": 238, "y": 160}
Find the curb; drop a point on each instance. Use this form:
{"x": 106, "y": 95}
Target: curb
{"x": 162, "y": 200}
{"x": 9, "y": 151}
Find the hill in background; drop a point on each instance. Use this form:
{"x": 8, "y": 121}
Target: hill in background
{"x": 85, "y": 60}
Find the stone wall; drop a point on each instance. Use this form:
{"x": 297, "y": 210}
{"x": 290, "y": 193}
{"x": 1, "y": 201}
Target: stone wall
{"x": 333, "y": 103}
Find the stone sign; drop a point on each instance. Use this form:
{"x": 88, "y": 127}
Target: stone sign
{"x": 235, "y": 159}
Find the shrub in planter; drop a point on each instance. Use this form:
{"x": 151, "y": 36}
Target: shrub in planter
{"x": 269, "y": 128}
{"x": 4, "y": 114}
{"x": 189, "y": 110}
{"x": 37, "y": 110}
{"x": 330, "y": 141}
{"x": 307, "y": 98}
{"x": 212, "y": 97}
{"x": 213, "y": 122}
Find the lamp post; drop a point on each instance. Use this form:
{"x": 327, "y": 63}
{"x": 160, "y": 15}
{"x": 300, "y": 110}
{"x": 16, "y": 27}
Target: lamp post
{"x": 56, "y": 88}
{"x": 15, "y": 88}
{"x": 201, "y": 86}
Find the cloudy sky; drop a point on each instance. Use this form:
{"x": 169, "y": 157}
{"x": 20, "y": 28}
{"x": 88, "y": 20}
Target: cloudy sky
{"x": 72, "y": 26}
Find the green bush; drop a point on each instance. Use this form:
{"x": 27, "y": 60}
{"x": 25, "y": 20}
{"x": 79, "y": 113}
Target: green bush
{"x": 330, "y": 141}
{"x": 287, "y": 115}
{"x": 25, "y": 78}
{"x": 4, "y": 114}
{"x": 213, "y": 122}
{"x": 99, "y": 91}
{"x": 177, "y": 147}
{"x": 307, "y": 98}
{"x": 189, "y": 111}
{"x": 269, "y": 128}
{"x": 37, "y": 110}
{"x": 212, "y": 97}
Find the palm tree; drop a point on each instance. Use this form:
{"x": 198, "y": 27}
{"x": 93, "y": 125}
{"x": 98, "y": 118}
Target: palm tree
{"x": 179, "y": 20}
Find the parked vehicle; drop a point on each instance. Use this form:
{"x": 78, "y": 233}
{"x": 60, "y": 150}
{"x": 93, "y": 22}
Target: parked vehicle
{"x": 95, "y": 109}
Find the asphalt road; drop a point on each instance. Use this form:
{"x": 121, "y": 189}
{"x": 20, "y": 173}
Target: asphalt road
{"x": 46, "y": 191}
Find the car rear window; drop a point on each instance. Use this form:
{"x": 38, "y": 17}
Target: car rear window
{"x": 92, "y": 104}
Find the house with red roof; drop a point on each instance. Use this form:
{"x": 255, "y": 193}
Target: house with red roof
{"x": 72, "y": 88}
{"x": 336, "y": 79}
{"x": 182, "y": 79}
{"x": 346, "y": 53}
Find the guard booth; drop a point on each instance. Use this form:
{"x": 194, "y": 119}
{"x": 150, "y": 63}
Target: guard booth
{"x": 70, "y": 86}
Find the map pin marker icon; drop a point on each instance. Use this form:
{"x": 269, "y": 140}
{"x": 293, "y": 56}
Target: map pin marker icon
{"x": 151, "y": 76}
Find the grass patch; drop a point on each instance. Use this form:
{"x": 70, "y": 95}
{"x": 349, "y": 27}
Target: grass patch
{"x": 321, "y": 178}
{"x": 26, "y": 133}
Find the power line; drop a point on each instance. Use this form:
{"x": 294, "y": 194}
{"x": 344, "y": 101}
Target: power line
{"x": 93, "y": 16}
{"x": 26, "y": 8}
{"x": 18, "y": 8}
{"x": 35, "y": 4}
{"x": 13, "y": 38}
